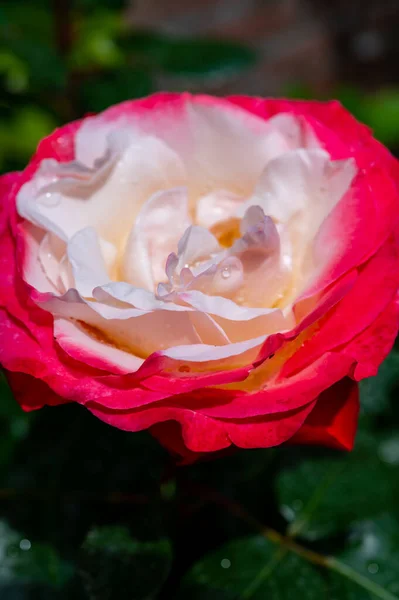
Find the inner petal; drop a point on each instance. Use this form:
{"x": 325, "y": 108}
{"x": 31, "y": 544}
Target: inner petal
{"x": 252, "y": 272}
{"x": 216, "y": 207}
{"x": 158, "y": 228}
{"x": 90, "y": 258}
{"x": 108, "y": 197}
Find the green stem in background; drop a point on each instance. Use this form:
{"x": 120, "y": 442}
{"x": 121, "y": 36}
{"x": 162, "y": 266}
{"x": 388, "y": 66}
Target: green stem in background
{"x": 346, "y": 571}
{"x": 286, "y": 543}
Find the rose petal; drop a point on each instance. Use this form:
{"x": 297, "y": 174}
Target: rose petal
{"x": 144, "y": 166}
{"x": 333, "y": 421}
{"x": 155, "y": 234}
{"x": 87, "y": 261}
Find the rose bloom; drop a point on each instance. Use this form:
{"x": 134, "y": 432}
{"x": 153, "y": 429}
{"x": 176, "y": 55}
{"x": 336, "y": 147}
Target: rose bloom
{"x": 221, "y": 271}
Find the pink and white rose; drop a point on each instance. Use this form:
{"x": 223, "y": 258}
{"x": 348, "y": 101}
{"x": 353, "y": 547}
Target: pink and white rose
{"x": 222, "y": 271}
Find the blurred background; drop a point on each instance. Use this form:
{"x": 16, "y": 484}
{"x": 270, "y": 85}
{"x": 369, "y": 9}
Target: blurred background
{"x": 89, "y": 512}
{"x": 60, "y": 59}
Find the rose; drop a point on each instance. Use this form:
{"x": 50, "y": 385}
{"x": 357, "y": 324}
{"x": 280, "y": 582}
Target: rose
{"x": 222, "y": 271}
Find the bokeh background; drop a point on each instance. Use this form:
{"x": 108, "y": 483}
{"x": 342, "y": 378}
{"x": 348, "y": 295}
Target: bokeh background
{"x": 89, "y": 512}
{"x": 60, "y": 59}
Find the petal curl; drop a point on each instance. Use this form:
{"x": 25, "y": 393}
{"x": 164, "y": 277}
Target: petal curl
{"x": 333, "y": 420}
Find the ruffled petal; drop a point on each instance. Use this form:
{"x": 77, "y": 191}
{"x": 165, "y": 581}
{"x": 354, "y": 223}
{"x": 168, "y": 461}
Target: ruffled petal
{"x": 156, "y": 232}
{"x": 109, "y": 200}
{"x": 333, "y": 420}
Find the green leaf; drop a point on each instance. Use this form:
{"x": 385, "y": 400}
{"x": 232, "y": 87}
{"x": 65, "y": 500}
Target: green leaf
{"x": 26, "y": 20}
{"x": 46, "y": 69}
{"x": 373, "y": 553}
{"x": 29, "y": 562}
{"x": 14, "y": 73}
{"x": 298, "y": 91}
{"x": 375, "y": 392}
{"x": 113, "y": 561}
{"x": 95, "y": 45}
{"x": 324, "y": 495}
{"x": 381, "y": 113}
{"x": 20, "y": 135}
{"x": 255, "y": 568}
{"x": 352, "y": 99}
{"x": 100, "y": 91}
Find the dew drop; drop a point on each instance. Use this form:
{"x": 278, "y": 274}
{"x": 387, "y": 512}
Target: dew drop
{"x": 225, "y": 563}
{"x": 373, "y": 568}
{"x": 389, "y": 451}
{"x": 226, "y": 272}
{"x": 25, "y": 544}
{"x": 50, "y": 199}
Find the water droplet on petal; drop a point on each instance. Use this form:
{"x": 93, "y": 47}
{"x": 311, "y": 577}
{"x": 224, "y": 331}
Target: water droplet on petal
{"x": 226, "y": 272}
{"x": 50, "y": 199}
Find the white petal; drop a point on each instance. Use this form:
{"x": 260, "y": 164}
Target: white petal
{"x": 196, "y": 244}
{"x": 217, "y": 206}
{"x": 232, "y": 146}
{"x": 207, "y": 353}
{"x": 128, "y": 296}
{"x": 223, "y": 307}
{"x": 87, "y": 261}
{"x": 139, "y": 335}
{"x": 34, "y": 272}
{"x": 222, "y": 277}
{"x": 222, "y": 145}
{"x": 208, "y": 329}
{"x": 51, "y": 252}
{"x": 264, "y": 273}
{"x": 271, "y": 322}
{"x": 155, "y": 234}
{"x": 109, "y": 203}
{"x": 299, "y": 181}
{"x": 80, "y": 343}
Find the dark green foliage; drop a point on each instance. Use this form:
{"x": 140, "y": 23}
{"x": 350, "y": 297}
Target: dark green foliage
{"x": 252, "y": 567}
{"x": 112, "y": 561}
{"x": 341, "y": 487}
{"x": 101, "y": 90}
{"x": 194, "y": 57}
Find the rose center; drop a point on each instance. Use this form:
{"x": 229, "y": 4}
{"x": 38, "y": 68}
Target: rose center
{"x": 227, "y": 232}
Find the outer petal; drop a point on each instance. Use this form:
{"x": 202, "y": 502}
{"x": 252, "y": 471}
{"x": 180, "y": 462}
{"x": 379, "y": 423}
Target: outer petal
{"x": 373, "y": 345}
{"x": 203, "y": 434}
{"x": 372, "y": 212}
{"x": 375, "y": 289}
{"x": 333, "y": 421}
{"x": 30, "y": 392}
